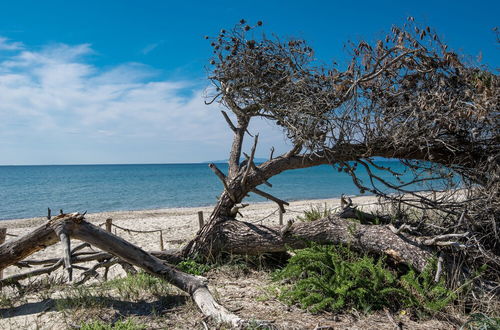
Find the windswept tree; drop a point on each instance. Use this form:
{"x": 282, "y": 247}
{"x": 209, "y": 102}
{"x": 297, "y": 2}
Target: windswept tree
{"x": 406, "y": 96}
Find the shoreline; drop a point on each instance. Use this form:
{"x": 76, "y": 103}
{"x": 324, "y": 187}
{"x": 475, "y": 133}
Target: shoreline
{"x": 177, "y": 225}
{"x": 90, "y": 216}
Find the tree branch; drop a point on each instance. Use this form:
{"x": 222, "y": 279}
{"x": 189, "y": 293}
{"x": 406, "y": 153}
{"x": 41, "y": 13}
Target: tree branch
{"x": 228, "y": 121}
{"x": 278, "y": 201}
{"x": 250, "y": 160}
{"x": 222, "y": 177}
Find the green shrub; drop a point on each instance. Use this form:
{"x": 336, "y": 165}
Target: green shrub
{"x": 423, "y": 292}
{"x": 480, "y": 321}
{"x": 333, "y": 278}
{"x": 192, "y": 267}
{"x": 315, "y": 213}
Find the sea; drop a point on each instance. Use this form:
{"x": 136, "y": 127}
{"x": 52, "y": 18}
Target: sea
{"x": 27, "y": 191}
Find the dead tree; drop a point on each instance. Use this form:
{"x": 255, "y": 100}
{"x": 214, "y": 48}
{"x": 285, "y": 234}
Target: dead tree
{"x": 406, "y": 97}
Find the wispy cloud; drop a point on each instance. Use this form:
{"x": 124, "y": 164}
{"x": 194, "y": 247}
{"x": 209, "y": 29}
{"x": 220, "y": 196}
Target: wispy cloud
{"x": 5, "y": 44}
{"x": 56, "y": 99}
{"x": 150, "y": 47}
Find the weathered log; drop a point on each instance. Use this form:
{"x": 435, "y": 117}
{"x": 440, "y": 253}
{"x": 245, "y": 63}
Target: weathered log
{"x": 194, "y": 286}
{"x": 246, "y": 238}
{"x": 17, "y": 249}
{"x": 74, "y": 226}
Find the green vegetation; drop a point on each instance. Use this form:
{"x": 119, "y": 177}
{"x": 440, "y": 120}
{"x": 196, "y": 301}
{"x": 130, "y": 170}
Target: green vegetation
{"x": 423, "y": 293}
{"x": 128, "y": 324}
{"x": 333, "y": 278}
{"x": 480, "y": 321}
{"x": 137, "y": 286}
{"x": 193, "y": 267}
{"x": 315, "y": 213}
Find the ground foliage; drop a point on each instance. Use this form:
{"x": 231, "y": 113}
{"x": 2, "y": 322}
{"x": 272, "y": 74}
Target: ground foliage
{"x": 335, "y": 278}
{"x": 315, "y": 212}
{"x": 480, "y": 321}
{"x": 194, "y": 267}
{"x": 120, "y": 325}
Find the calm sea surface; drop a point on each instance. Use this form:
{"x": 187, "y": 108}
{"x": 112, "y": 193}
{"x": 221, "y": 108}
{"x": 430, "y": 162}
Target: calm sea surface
{"x": 27, "y": 191}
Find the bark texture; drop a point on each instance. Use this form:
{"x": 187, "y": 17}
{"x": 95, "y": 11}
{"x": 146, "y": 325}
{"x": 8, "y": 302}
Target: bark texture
{"x": 17, "y": 249}
{"x": 245, "y": 238}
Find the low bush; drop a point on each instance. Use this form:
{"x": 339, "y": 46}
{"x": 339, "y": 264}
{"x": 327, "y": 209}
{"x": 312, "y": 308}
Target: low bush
{"x": 334, "y": 278}
{"x": 480, "y": 321}
{"x": 193, "y": 267}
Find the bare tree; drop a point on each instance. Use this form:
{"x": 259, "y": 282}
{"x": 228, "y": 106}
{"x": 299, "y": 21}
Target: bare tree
{"x": 406, "y": 96}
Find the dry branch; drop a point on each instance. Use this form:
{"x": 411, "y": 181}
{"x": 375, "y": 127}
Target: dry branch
{"x": 281, "y": 203}
{"x": 74, "y": 226}
{"x": 250, "y": 160}
{"x": 222, "y": 177}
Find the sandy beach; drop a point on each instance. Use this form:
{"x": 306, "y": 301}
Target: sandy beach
{"x": 177, "y": 224}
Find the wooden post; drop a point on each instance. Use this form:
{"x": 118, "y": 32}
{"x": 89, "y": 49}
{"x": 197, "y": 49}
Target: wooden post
{"x": 200, "y": 218}
{"x": 161, "y": 241}
{"x": 281, "y": 217}
{"x": 109, "y": 223}
{"x": 3, "y": 234}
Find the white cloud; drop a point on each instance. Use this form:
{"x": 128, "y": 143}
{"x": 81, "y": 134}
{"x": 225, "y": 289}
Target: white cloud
{"x": 5, "y": 44}
{"x": 56, "y": 96}
{"x": 149, "y": 48}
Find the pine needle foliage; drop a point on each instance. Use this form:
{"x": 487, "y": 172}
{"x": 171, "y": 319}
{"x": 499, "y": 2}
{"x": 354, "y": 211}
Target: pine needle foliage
{"x": 480, "y": 321}
{"x": 423, "y": 292}
{"x": 335, "y": 278}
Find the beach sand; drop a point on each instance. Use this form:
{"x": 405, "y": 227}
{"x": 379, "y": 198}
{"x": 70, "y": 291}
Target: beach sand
{"x": 178, "y": 225}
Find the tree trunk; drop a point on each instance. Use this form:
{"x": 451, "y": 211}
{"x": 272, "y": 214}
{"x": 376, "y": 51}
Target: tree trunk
{"x": 245, "y": 238}
{"x": 16, "y": 250}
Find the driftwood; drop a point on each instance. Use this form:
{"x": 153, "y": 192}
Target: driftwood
{"x": 74, "y": 226}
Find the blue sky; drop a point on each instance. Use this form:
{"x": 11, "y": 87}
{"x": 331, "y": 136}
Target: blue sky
{"x": 85, "y": 82}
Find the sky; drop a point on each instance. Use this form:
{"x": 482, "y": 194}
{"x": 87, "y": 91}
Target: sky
{"x": 122, "y": 81}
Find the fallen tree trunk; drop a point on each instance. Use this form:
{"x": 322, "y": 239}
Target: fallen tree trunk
{"x": 74, "y": 226}
{"x": 245, "y": 238}
{"x": 228, "y": 235}
{"x": 16, "y": 250}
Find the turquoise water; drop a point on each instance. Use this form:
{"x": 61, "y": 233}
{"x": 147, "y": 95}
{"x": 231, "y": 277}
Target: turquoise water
{"x": 27, "y": 191}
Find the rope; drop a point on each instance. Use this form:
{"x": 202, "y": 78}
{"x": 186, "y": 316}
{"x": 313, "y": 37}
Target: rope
{"x": 264, "y": 218}
{"x": 136, "y": 231}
